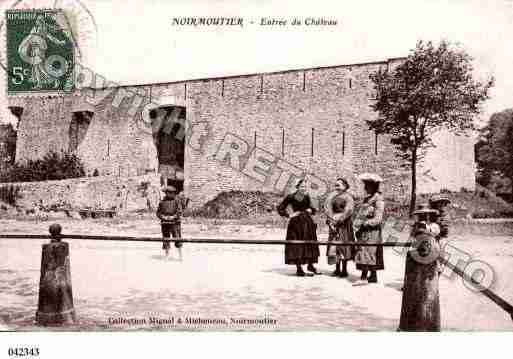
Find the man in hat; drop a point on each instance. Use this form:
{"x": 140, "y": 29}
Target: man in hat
{"x": 169, "y": 212}
{"x": 440, "y": 203}
{"x": 368, "y": 223}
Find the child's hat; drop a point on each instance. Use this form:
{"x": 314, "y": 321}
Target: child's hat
{"x": 439, "y": 198}
{"x": 425, "y": 209}
{"x": 370, "y": 177}
{"x": 167, "y": 189}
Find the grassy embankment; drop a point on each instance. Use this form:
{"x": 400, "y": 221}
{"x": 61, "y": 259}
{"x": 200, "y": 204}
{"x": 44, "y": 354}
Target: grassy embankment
{"x": 471, "y": 212}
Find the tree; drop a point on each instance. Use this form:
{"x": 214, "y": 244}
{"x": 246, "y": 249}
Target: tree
{"x": 495, "y": 147}
{"x": 432, "y": 89}
{"x": 7, "y": 143}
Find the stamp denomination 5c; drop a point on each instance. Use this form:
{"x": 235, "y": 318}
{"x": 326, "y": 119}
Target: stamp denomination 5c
{"x": 40, "y": 52}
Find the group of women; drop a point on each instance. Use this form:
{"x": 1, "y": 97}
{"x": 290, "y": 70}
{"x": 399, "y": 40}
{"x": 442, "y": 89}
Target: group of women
{"x": 345, "y": 226}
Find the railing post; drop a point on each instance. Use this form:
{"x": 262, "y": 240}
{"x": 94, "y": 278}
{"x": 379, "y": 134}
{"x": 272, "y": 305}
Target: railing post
{"x": 420, "y": 309}
{"x": 55, "y": 305}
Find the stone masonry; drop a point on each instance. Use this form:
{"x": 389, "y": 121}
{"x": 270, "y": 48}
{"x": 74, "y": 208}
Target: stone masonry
{"x": 310, "y": 119}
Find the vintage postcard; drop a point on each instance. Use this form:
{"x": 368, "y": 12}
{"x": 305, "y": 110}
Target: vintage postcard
{"x": 227, "y": 166}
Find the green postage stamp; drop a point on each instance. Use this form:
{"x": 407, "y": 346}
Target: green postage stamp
{"x": 40, "y": 52}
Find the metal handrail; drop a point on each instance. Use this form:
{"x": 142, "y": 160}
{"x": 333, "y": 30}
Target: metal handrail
{"x": 483, "y": 290}
{"x": 215, "y": 240}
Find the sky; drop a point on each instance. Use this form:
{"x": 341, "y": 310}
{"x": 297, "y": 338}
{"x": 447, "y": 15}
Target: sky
{"x": 134, "y": 42}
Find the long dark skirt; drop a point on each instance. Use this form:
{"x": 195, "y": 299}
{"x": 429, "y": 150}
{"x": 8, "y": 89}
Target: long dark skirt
{"x": 301, "y": 228}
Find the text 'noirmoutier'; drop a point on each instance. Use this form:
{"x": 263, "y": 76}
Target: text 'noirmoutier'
{"x": 238, "y": 21}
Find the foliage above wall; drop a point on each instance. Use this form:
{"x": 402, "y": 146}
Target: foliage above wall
{"x": 494, "y": 152}
{"x": 432, "y": 89}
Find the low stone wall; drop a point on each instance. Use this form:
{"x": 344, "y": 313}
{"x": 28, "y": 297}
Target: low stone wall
{"x": 121, "y": 194}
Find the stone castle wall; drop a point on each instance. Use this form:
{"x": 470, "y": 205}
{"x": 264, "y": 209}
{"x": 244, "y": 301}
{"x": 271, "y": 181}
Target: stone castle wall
{"x": 138, "y": 193}
{"x": 279, "y": 112}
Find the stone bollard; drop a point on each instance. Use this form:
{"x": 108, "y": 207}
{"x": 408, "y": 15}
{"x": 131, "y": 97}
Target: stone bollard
{"x": 55, "y": 305}
{"x": 420, "y": 310}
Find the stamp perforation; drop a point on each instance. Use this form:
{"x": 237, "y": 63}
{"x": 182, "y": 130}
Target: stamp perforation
{"x": 44, "y": 34}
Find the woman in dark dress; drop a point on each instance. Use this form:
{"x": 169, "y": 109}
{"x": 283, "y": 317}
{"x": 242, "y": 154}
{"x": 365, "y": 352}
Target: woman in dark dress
{"x": 301, "y": 227}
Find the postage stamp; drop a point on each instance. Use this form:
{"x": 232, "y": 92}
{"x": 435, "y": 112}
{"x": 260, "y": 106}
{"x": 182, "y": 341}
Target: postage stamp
{"x": 40, "y": 52}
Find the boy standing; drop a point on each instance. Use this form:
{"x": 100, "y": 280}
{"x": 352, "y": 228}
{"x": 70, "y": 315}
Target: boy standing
{"x": 169, "y": 212}
{"x": 441, "y": 203}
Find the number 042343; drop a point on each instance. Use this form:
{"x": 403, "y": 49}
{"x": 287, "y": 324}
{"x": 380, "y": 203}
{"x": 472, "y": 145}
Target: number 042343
{"x": 14, "y": 352}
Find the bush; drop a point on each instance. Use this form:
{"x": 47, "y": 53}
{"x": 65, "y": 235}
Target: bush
{"x": 238, "y": 204}
{"x": 9, "y": 194}
{"x": 492, "y": 214}
{"x": 260, "y": 205}
{"x": 53, "y": 166}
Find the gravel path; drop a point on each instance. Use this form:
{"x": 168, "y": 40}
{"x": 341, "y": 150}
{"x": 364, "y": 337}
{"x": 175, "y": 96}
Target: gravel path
{"x": 131, "y": 286}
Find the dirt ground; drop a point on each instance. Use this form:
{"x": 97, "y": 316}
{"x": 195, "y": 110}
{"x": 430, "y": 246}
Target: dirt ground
{"x": 215, "y": 283}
